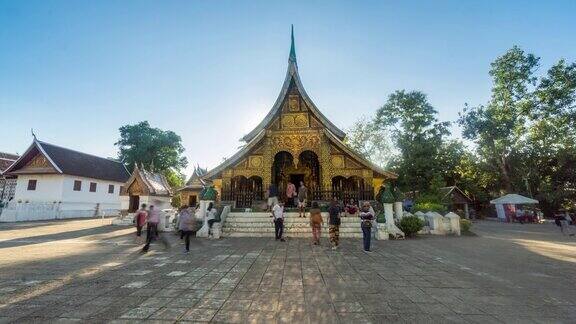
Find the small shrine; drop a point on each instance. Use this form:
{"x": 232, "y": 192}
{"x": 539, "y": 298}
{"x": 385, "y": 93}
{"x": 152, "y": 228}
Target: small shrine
{"x": 190, "y": 193}
{"x": 145, "y": 187}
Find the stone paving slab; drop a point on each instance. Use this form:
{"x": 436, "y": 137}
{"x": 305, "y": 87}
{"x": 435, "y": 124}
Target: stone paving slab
{"x": 84, "y": 271}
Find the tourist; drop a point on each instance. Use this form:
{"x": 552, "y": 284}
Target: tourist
{"x": 152, "y": 227}
{"x": 178, "y": 219}
{"x": 272, "y": 196}
{"x": 564, "y": 222}
{"x": 351, "y": 209}
{"x": 211, "y": 212}
{"x": 316, "y": 223}
{"x": 278, "y": 214}
{"x": 302, "y": 194}
{"x": 366, "y": 218}
{"x": 334, "y": 221}
{"x": 290, "y": 194}
{"x": 140, "y": 221}
{"x": 186, "y": 226}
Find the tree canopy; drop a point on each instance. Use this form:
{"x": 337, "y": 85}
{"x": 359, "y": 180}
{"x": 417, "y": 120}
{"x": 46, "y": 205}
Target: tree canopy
{"x": 156, "y": 149}
{"x": 524, "y": 138}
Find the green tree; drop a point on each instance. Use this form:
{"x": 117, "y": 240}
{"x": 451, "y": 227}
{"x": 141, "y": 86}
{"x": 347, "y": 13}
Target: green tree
{"x": 525, "y": 134}
{"x": 151, "y": 147}
{"x": 371, "y": 141}
{"x": 418, "y": 135}
{"x": 497, "y": 127}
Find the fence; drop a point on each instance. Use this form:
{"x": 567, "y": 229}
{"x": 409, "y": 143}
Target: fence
{"x": 22, "y": 211}
{"x": 245, "y": 198}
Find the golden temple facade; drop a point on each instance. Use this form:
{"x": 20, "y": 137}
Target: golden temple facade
{"x": 296, "y": 142}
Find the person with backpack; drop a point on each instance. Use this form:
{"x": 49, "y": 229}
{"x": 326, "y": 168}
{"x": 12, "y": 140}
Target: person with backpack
{"x": 366, "y": 218}
{"x": 140, "y": 221}
{"x": 152, "y": 228}
{"x": 186, "y": 226}
{"x": 316, "y": 222}
{"x": 334, "y": 212}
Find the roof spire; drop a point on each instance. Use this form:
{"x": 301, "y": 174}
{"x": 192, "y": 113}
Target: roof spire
{"x": 292, "y": 58}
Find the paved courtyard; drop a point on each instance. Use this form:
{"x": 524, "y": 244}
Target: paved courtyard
{"x": 87, "y": 271}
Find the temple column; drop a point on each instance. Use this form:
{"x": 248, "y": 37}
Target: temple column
{"x": 268, "y": 161}
{"x": 326, "y": 171}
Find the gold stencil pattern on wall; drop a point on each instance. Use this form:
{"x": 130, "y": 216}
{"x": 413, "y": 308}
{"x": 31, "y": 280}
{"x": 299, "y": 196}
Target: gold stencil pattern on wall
{"x": 255, "y": 161}
{"x": 295, "y": 121}
{"x": 294, "y": 103}
{"x": 337, "y": 161}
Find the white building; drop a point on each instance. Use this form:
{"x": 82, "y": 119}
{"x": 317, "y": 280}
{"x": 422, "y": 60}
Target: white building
{"x": 55, "y": 182}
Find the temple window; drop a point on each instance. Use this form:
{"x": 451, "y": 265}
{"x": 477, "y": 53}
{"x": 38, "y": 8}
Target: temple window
{"x": 110, "y": 189}
{"x": 77, "y": 185}
{"x": 32, "y": 184}
{"x": 92, "y": 186}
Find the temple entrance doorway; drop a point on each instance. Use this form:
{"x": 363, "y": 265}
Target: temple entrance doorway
{"x": 285, "y": 169}
{"x": 134, "y": 204}
{"x": 296, "y": 178}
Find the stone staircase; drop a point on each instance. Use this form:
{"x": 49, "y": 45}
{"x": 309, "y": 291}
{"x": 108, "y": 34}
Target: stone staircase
{"x": 259, "y": 224}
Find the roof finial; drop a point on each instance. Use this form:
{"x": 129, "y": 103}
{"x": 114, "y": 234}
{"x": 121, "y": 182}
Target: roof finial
{"x": 292, "y": 48}
{"x": 32, "y": 131}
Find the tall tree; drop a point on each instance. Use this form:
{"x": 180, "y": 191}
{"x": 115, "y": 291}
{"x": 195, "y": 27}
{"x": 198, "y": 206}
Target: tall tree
{"x": 371, "y": 141}
{"x": 525, "y": 134}
{"x": 154, "y": 148}
{"x": 497, "y": 127}
{"x": 419, "y": 137}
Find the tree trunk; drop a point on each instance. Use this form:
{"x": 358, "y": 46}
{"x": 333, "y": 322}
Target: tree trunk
{"x": 505, "y": 176}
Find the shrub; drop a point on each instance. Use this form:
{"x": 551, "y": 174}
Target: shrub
{"x": 411, "y": 225}
{"x": 465, "y": 225}
{"x": 429, "y": 206}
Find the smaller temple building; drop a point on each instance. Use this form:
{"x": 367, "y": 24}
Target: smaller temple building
{"x": 55, "y": 182}
{"x": 190, "y": 194}
{"x": 145, "y": 187}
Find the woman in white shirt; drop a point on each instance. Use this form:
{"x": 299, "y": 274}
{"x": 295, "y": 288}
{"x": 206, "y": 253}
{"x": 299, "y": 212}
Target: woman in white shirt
{"x": 211, "y": 217}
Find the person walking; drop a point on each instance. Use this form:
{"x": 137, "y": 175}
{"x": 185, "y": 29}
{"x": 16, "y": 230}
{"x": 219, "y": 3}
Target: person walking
{"x": 140, "y": 221}
{"x": 366, "y": 218}
{"x": 278, "y": 214}
{"x": 211, "y": 212}
{"x": 564, "y": 222}
{"x": 290, "y": 194}
{"x": 186, "y": 226}
{"x": 272, "y": 196}
{"x": 316, "y": 223}
{"x": 152, "y": 227}
{"x": 302, "y": 195}
{"x": 334, "y": 212}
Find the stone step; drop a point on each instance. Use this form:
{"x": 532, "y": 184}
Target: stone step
{"x": 289, "y": 235}
{"x": 306, "y": 227}
{"x": 286, "y": 222}
{"x": 259, "y": 224}
{"x": 286, "y": 229}
{"x": 301, "y": 219}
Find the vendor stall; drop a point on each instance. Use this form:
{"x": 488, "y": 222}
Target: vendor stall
{"x": 506, "y": 205}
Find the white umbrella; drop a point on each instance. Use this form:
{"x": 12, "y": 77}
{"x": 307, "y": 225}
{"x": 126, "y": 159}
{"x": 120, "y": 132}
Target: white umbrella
{"x": 513, "y": 199}
{"x": 510, "y": 199}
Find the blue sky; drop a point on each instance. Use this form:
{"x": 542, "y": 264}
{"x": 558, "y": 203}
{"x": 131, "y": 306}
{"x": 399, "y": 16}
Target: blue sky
{"x": 76, "y": 71}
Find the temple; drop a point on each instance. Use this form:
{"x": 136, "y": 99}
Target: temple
{"x": 296, "y": 142}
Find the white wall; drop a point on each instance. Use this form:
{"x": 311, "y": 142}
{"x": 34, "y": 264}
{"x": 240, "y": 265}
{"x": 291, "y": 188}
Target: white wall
{"x": 55, "y": 198}
{"x": 84, "y": 196}
{"x": 48, "y": 188}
